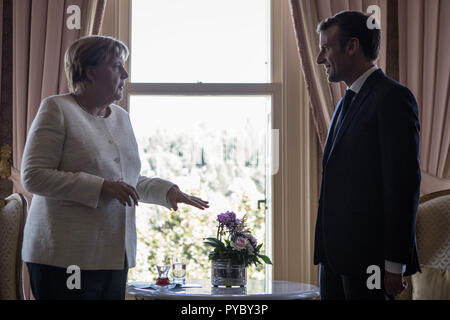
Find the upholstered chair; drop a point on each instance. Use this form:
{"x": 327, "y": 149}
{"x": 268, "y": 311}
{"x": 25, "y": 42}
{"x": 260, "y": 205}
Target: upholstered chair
{"x": 433, "y": 245}
{"x": 13, "y": 212}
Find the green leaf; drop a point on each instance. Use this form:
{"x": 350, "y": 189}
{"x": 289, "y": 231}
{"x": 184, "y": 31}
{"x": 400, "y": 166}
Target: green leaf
{"x": 265, "y": 258}
{"x": 210, "y": 244}
{"x": 217, "y": 242}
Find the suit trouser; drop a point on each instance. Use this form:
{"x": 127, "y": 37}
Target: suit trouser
{"x": 50, "y": 283}
{"x": 334, "y": 286}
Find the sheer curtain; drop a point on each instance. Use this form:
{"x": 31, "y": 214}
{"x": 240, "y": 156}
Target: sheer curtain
{"x": 40, "y": 39}
{"x": 424, "y": 67}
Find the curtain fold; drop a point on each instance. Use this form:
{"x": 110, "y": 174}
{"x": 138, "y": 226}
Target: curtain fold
{"x": 306, "y": 15}
{"x": 94, "y": 11}
{"x": 424, "y": 67}
{"x": 5, "y": 97}
{"x": 40, "y": 39}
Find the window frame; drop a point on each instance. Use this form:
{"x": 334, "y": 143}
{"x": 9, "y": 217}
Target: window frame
{"x": 123, "y": 29}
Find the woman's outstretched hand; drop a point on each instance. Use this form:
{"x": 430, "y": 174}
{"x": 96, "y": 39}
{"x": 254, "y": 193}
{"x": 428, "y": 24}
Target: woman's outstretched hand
{"x": 121, "y": 191}
{"x": 175, "y": 196}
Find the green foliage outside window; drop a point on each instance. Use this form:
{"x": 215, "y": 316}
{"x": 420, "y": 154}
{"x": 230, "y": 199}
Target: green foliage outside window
{"x": 229, "y": 180}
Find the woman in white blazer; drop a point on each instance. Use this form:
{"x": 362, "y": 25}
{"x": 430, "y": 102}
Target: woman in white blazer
{"x": 81, "y": 162}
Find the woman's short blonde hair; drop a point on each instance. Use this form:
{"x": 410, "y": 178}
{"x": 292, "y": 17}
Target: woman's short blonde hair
{"x": 87, "y": 52}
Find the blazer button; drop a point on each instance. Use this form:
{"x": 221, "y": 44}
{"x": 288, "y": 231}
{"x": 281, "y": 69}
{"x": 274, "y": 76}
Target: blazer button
{"x": 117, "y": 160}
{"x": 110, "y": 141}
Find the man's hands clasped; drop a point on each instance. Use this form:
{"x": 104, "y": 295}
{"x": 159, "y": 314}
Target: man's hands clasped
{"x": 394, "y": 283}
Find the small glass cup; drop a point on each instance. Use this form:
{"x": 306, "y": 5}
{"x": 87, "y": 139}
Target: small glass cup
{"x": 163, "y": 272}
{"x": 179, "y": 270}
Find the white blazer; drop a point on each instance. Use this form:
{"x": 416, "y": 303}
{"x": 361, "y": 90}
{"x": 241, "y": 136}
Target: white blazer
{"x": 67, "y": 156}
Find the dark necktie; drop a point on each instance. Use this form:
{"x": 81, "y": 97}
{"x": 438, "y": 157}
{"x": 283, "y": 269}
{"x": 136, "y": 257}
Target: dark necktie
{"x": 347, "y": 101}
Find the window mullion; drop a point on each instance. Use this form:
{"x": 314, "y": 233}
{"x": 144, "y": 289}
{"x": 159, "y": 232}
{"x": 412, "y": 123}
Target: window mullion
{"x": 202, "y": 88}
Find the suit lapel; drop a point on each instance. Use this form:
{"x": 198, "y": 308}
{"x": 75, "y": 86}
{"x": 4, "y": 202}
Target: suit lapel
{"x": 329, "y": 141}
{"x": 356, "y": 105}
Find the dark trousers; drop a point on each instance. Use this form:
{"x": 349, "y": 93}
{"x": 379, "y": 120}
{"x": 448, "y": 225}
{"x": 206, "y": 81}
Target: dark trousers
{"x": 50, "y": 283}
{"x": 342, "y": 287}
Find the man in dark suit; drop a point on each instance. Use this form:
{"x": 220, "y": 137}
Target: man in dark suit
{"x": 370, "y": 176}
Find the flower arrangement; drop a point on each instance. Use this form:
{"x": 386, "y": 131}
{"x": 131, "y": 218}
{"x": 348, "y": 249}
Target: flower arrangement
{"x": 239, "y": 245}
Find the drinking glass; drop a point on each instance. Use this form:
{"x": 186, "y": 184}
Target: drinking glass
{"x": 179, "y": 270}
{"x": 163, "y": 272}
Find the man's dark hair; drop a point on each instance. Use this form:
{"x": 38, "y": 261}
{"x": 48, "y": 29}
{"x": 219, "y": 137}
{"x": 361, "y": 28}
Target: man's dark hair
{"x": 353, "y": 24}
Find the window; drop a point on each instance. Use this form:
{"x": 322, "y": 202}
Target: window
{"x": 207, "y": 41}
{"x": 200, "y": 99}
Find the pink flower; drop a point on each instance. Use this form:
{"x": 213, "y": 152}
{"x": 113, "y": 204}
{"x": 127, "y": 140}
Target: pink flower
{"x": 240, "y": 243}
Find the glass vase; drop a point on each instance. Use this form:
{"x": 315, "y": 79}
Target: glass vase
{"x": 226, "y": 274}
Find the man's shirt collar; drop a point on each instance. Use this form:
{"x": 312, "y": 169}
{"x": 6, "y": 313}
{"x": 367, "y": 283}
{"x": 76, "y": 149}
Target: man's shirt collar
{"x": 356, "y": 86}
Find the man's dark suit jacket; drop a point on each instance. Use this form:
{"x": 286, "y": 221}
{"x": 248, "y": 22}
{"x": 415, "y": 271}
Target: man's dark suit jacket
{"x": 370, "y": 182}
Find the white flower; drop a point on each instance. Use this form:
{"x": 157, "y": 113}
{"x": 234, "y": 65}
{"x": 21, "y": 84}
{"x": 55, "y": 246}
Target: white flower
{"x": 240, "y": 243}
